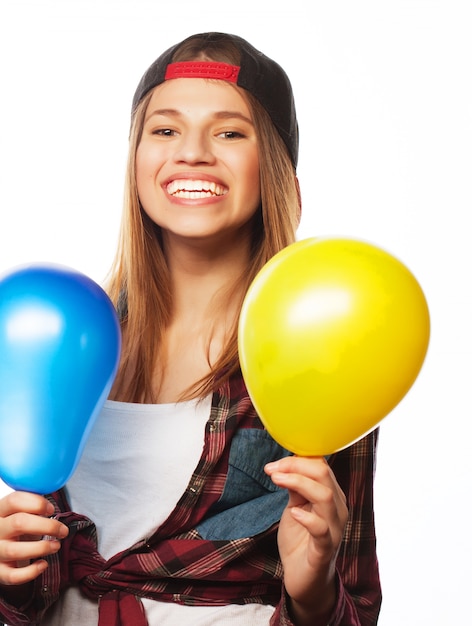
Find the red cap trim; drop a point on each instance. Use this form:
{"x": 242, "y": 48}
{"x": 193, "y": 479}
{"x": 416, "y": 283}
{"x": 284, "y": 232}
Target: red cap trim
{"x": 203, "y": 69}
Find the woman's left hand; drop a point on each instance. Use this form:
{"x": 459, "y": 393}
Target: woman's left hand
{"x": 310, "y": 533}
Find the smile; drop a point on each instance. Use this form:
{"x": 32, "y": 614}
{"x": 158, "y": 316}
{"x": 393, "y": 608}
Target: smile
{"x": 195, "y": 189}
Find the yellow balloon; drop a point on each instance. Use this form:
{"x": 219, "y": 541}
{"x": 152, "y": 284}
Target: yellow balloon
{"x": 332, "y": 334}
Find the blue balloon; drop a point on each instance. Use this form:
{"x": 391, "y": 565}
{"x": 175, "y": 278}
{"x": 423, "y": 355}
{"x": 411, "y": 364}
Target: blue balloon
{"x": 60, "y": 345}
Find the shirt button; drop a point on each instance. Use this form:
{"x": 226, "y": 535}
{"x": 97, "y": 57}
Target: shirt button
{"x": 194, "y": 489}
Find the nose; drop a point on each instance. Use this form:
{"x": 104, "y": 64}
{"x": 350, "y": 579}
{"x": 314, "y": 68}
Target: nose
{"x": 194, "y": 148}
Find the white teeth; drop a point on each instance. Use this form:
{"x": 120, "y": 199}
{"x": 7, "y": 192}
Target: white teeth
{"x": 194, "y": 189}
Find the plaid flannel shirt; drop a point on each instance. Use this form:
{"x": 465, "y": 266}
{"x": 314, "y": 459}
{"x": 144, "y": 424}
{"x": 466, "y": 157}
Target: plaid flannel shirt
{"x": 219, "y": 545}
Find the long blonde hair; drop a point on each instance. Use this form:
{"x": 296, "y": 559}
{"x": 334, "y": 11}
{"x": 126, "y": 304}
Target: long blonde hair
{"x": 139, "y": 282}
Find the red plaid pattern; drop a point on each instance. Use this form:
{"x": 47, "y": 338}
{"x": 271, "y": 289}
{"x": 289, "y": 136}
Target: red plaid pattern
{"x": 176, "y": 564}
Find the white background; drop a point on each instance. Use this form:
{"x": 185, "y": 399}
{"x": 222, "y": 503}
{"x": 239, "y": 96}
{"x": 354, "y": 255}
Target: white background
{"x": 384, "y": 97}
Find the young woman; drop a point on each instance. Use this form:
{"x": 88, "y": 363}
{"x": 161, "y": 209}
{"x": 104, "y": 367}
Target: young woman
{"x": 183, "y": 510}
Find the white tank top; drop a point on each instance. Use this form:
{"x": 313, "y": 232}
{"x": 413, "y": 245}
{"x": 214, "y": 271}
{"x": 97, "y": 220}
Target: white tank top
{"x": 135, "y": 467}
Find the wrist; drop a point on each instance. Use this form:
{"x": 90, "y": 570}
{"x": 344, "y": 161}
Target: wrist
{"x": 318, "y": 609}
{"x": 304, "y": 615}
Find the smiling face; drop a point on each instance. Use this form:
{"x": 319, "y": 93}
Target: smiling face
{"x": 197, "y": 163}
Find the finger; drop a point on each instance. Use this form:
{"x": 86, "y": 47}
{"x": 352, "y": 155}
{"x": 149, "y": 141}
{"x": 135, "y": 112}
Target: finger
{"x": 325, "y": 534}
{"x": 316, "y": 468}
{"x": 12, "y": 575}
{"x": 323, "y": 501}
{"x": 17, "y": 501}
{"x": 303, "y": 490}
{"x": 16, "y": 551}
{"x": 26, "y": 524}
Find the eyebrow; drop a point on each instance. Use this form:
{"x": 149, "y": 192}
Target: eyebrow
{"x": 219, "y": 115}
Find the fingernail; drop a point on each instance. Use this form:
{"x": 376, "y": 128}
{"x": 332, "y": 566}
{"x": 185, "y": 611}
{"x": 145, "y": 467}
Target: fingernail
{"x": 297, "y": 512}
{"x": 63, "y": 532}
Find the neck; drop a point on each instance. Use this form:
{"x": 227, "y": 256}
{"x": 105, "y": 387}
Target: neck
{"x": 202, "y": 275}
{"x": 206, "y": 295}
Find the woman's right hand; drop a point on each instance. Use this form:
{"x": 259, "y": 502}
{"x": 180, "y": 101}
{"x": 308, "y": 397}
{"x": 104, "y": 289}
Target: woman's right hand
{"x": 27, "y": 534}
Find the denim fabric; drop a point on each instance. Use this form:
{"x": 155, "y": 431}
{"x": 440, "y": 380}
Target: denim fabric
{"x": 250, "y": 502}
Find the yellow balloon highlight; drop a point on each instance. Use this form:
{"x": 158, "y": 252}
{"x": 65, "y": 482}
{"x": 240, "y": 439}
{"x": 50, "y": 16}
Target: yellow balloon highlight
{"x": 332, "y": 334}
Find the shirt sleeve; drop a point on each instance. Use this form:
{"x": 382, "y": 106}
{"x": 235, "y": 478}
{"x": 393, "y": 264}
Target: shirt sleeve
{"x": 358, "y": 584}
{"x": 12, "y": 615}
{"x": 32, "y": 609}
